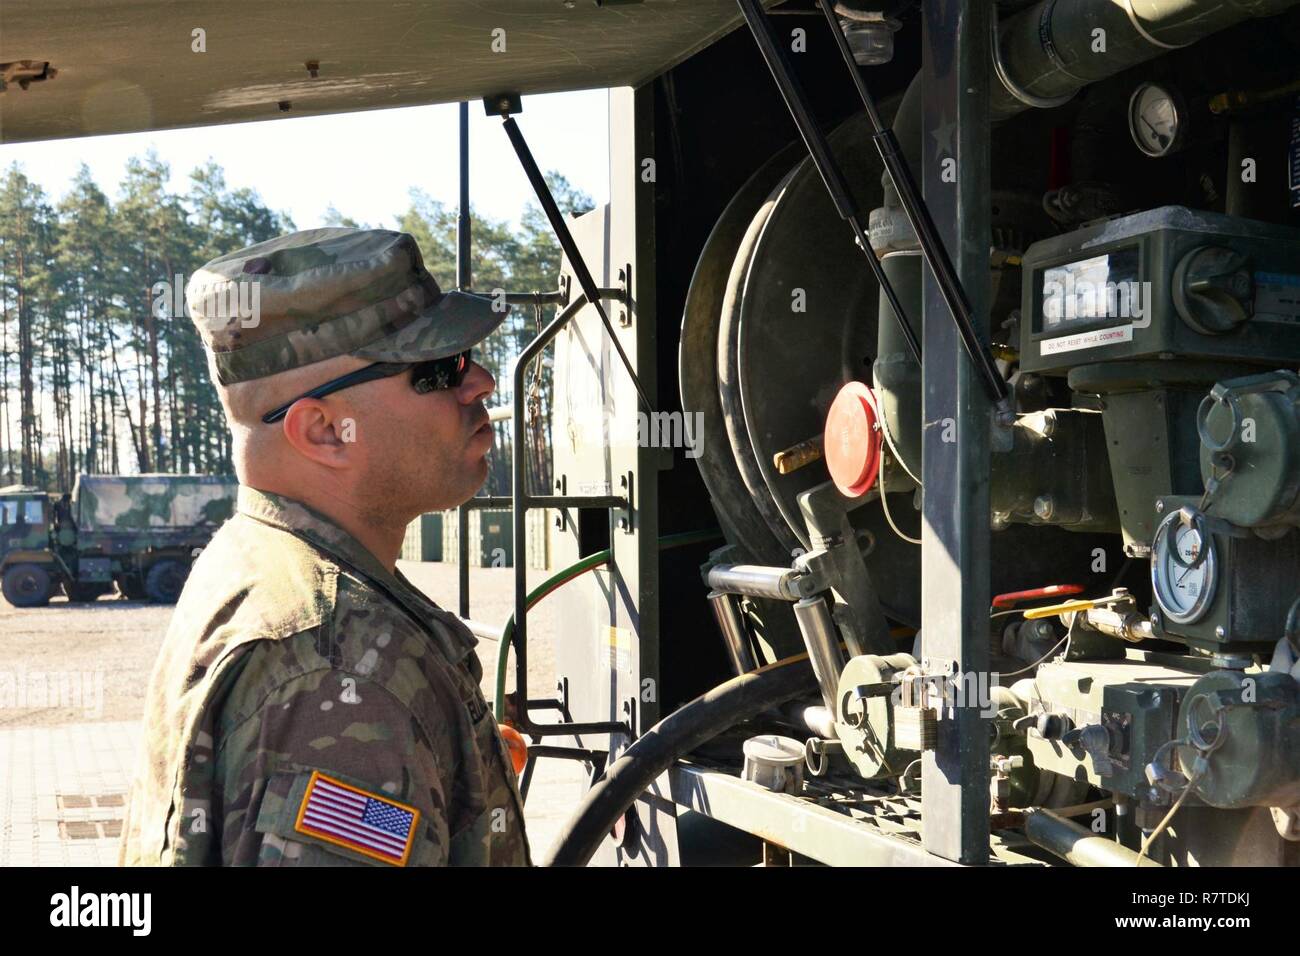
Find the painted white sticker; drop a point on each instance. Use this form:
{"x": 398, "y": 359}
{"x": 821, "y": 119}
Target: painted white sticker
{"x": 1087, "y": 340}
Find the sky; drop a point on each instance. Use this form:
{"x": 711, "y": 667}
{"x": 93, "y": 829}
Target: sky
{"x": 363, "y": 163}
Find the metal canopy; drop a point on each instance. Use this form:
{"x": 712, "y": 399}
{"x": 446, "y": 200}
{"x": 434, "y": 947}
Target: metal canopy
{"x": 128, "y": 65}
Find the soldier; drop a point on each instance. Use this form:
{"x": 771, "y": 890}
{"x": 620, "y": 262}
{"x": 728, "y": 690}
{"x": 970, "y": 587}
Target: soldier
{"x": 309, "y": 705}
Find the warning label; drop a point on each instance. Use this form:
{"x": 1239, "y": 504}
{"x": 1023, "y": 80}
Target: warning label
{"x": 1086, "y": 340}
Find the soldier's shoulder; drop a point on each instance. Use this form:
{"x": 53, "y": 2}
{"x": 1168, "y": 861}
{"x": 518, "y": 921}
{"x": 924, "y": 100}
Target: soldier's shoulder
{"x": 376, "y": 637}
{"x": 258, "y": 582}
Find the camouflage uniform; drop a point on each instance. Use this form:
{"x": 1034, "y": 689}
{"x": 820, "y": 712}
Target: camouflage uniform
{"x": 294, "y": 651}
{"x": 310, "y": 706}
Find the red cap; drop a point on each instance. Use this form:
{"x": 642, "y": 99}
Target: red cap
{"x": 852, "y": 442}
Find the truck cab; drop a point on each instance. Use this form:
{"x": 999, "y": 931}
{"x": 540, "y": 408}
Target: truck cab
{"x": 26, "y": 561}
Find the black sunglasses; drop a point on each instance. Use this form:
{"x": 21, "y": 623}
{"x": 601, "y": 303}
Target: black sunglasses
{"x": 426, "y": 377}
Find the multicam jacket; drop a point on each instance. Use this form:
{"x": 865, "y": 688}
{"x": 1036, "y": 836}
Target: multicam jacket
{"x": 310, "y": 707}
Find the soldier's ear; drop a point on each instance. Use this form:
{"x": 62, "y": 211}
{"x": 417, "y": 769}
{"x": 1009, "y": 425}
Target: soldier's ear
{"x": 315, "y": 432}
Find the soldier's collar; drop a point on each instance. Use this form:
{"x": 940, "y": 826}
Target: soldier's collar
{"x": 305, "y": 522}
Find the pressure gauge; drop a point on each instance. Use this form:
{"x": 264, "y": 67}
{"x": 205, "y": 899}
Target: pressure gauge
{"x": 1184, "y": 568}
{"x": 1156, "y": 118}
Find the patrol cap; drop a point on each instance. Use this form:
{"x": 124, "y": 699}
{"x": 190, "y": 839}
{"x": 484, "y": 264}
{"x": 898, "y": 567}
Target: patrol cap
{"x": 311, "y": 295}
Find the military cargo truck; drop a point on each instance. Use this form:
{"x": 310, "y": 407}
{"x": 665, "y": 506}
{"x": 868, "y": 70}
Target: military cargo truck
{"x": 139, "y": 532}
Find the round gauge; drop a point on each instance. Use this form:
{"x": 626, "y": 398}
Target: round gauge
{"x": 1156, "y": 119}
{"x": 1184, "y": 570}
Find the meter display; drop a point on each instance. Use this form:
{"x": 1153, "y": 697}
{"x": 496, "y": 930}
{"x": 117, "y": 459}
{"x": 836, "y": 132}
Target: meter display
{"x": 1184, "y": 569}
{"x": 1165, "y": 284}
{"x": 1084, "y": 292}
{"x": 1155, "y": 120}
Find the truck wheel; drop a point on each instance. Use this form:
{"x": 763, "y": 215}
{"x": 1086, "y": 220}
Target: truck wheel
{"x": 130, "y": 587}
{"x": 165, "y": 580}
{"x": 27, "y": 585}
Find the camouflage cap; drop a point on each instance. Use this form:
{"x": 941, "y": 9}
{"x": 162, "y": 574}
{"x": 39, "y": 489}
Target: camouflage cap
{"x": 311, "y": 295}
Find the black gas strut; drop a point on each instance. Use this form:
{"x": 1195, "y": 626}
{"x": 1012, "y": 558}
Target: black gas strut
{"x": 504, "y": 106}
{"x": 932, "y": 247}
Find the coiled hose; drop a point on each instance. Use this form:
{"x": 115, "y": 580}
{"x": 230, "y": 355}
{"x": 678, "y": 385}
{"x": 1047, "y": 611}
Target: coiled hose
{"x": 685, "y": 729}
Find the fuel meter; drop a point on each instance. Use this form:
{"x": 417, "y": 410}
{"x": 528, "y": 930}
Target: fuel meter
{"x": 1209, "y": 583}
{"x": 1184, "y": 567}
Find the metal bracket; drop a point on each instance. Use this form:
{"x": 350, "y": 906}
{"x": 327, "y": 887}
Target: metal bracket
{"x": 624, "y": 519}
{"x": 630, "y": 715}
{"x": 625, "y": 303}
{"x": 561, "y": 514}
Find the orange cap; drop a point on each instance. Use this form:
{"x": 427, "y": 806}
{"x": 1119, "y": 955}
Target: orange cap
{"x": 517, "y": 746}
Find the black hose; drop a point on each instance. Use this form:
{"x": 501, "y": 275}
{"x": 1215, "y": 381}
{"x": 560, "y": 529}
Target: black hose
{"x": 686, "y": 728}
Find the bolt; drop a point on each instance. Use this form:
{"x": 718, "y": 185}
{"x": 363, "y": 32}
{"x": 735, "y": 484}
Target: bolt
{"x": 1155, "y": 618}
{"x": 1220, "y": 633}
{"x": 1160, "y": 507}
{"x": 622, "y": 524}
{"x": 1044, "y": 507}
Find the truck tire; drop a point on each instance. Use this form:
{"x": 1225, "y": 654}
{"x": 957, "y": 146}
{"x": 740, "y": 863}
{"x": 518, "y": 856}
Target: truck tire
{"x": 27, "y": 585}
{"x": 164, "y": 582}
{"x": 130, "y": 586}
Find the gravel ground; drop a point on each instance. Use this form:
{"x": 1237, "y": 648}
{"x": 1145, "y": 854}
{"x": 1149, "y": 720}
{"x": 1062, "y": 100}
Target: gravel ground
{"x": 89, "y": 662}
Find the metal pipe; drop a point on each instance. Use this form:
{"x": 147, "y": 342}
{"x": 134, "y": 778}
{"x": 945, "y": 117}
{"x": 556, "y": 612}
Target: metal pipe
{"x": 559, "y": 297}
{"x": 1074, "y": 844}
{"x": 484, "y": 632}
{"x": 734, "y": 635}
{"x": 895, "y": 374}
{"x": 779, "y": 584}
{"x": 818, "y": 627}
{"x": 739, "y": 699}
{"x": 1049, "y": 51}
{"x": 462, "y": 552}
{"x": 821, "y": 722}
{"x": 464, "y": 262}
{"x": 549, "y": 501}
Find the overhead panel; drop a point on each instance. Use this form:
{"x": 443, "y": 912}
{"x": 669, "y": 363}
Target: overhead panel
{"x": 87, "y": 67}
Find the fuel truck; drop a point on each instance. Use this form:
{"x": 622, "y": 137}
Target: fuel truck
{"x": 974, "y": 330}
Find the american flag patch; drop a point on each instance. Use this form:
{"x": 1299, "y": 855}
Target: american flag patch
{"x": 365, "y": 822}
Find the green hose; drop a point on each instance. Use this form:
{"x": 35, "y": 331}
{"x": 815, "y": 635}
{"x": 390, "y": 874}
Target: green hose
{"x": 577, "y": 569}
